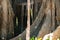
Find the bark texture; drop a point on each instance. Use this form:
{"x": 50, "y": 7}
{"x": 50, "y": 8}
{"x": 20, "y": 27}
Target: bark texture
{"x": 6, "y": 16}
{"x": 56, "y": 33}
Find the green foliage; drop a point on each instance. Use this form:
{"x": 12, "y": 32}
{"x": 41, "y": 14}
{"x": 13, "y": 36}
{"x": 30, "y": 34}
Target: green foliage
{"x": 19, "y": 39}
{"x": 33, "y": 38}
{"x": 16, "y": 21}
{"x": 48, "y": 38}
{"x": 31, "y": 12}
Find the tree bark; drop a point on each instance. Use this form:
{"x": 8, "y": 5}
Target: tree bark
{"x": 46, "y": 27}
{"x": 56, "y": 33}
{"x": 53, "y": 14}
{"x": 58, "y": 11}
{"x": 35, "y": 24}
{"x": 6, "y": 18}
{"x": 10, "y": 20}
{"x": 4, "y": 21}
{"x": 49, "y": 24}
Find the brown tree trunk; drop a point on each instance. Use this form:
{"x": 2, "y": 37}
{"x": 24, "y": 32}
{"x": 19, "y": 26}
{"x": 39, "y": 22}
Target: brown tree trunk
{"x": 6, "y": 18}
{"x": 10, "y": 20}
{"x": 58, "y": 11}
{"x": 35, "y": 23}
{"x": 46, "y": 27}
{"x": 4, "y": 21}
{"x": 53, "y": 14}
{"x": 0, "y": 17}
{"x": 49, "y": 24}
{"x": 56, "y": 33}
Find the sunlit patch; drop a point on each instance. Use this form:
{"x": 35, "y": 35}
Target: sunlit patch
{"x": 48, "y": 36}
{"x": 58, "y": 39}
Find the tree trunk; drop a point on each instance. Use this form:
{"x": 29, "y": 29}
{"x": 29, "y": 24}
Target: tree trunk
{"x": 4, "y": 17}
{"x": 53, "y": 14}
{"x": 10, "y": 20}
{"x": 56, "y": 33}
{"x": 58, "y": 11}
{"x": 46, "y": 27}
{"x": 35, "y": 24}
{"x": 49, "y": 24}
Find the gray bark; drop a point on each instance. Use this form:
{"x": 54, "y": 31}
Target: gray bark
{"x": 53, "y": 14}
{"x": 58, "y": 11}
{"x": 56, "y": 33}
{"x": 46, "y": 27}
